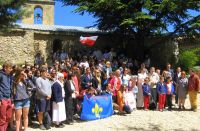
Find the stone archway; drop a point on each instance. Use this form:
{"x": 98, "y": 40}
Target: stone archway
{"x": 57, "y": 45}
{"x": 56, "y": 49}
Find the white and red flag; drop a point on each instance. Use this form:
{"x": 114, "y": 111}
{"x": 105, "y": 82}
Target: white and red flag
{"x": 90, "y": 41}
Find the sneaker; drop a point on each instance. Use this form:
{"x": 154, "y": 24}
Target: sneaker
{"x": 68, "y": 123}
{"x": 195, "y": 110}
{"x": 59, "y": 126}
{"x": 71, "y": 121}
{"x": 164, "y": 109}
{"x": 42, "y": 127}
{"x": 48, "y": 127}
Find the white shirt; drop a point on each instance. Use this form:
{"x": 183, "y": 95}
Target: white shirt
{"x": 85, "y": 64}
{"x": 125, "y": 79}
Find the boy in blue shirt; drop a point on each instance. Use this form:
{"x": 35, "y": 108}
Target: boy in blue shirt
{"x": 146, "y": 93}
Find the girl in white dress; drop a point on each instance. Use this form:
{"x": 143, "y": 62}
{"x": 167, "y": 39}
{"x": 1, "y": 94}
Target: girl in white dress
{"x": 141, "y": 76}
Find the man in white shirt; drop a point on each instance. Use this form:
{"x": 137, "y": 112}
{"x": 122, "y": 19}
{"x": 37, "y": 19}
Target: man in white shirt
{"x": 84, "y": 63}
{"x": 154, "y": 78}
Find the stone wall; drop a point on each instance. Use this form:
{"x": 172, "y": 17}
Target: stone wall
{"x": 23, "y": 45}
{"x": 161, "y": 51}
{"x": 17, "y": 47}
{"x": 43, "y": 43}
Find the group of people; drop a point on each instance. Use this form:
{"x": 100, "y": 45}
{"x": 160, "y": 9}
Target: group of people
{"x": 59, "y": 89}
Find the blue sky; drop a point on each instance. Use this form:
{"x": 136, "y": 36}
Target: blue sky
{"x": 64, "y": 16}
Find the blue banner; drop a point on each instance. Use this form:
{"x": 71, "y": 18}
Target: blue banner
{"x": 97, "y": 107}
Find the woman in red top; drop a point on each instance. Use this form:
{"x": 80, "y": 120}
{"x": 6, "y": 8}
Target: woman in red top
{"x": 115, "y": 83}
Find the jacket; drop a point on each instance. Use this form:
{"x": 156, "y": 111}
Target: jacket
{"x": 56, "y": 93}
{"x": 161, "y": 88}
{"x": 68, "y": 89}
{"x": 146, "y": 89}
{"x": 5, "y": 85}
{"x": 85, "y": 80}
{"x": 168, "y": 89}
{"x": 193, "y": 83}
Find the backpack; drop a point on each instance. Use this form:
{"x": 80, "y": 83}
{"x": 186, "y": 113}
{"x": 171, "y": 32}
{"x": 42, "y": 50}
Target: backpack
{"x": 127, "y": 109}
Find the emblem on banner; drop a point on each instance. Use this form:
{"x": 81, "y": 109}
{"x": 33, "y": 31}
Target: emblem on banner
{"x": 97, "y": 110}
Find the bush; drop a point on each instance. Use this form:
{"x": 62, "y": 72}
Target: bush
{"x": 197, "y": 70}
{"x": 188, "y": 59}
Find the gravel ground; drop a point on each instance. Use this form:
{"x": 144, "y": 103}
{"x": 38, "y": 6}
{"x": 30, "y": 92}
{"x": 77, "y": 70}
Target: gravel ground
{"x": 141, "y": 120}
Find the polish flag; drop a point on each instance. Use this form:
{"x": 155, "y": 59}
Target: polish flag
{"x": 88, "y": 40}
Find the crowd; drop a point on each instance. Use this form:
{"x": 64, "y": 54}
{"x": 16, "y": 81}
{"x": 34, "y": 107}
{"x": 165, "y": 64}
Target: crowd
{"x": 58, "y": 89}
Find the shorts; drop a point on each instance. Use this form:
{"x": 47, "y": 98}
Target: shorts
{"x": 19, "y": 104}
{"x": 43, "y": 105}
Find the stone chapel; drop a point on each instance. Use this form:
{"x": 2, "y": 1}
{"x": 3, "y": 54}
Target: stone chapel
{"x": 38, "y": 34}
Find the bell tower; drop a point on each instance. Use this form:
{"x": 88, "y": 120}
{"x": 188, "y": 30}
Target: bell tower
{"x": 40, "y": 12}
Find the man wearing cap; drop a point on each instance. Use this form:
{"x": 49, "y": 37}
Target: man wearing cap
{"x": 5, "y": 96}
{"x": 193, "y": 88}
{"x": 43, "y": 93}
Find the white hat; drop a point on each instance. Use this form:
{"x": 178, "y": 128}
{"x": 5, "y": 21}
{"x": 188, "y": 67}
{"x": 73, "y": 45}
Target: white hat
{"x": 134, "y": 76}
{"x": 59, "y": 75}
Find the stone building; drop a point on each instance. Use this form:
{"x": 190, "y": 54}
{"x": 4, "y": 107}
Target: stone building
{"x": 37, "y": 34}
{"x": 30, "y": 38}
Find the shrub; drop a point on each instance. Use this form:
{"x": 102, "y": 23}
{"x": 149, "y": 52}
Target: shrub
{"x": 188, "y": 59}
{"x": 197, "y": 70}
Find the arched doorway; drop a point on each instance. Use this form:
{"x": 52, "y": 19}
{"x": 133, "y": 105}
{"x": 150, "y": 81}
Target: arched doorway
{"x": 57, "y": 45}
{"x": 56, "y": 49}
{"x": 38, "y": 15}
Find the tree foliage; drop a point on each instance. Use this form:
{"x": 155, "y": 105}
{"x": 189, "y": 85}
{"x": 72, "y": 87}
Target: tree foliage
{"x": 142, "y": 18}
{"x": 188, "y": 59}
{"x": 10, "y": 12}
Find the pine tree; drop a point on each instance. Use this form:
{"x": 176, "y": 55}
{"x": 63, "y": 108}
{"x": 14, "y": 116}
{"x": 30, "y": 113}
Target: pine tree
{"x": 10, "y": 12}
{"x": 142, "y": 19}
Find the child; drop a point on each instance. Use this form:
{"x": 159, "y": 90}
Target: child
{"x": 162, "y": 90}
{"x": 146, "y": 93}
{"x": 122, "y": 101}
{"x": 133, "y": 87}
{"x": 170, "y": 92}
{"x": 107, "y": 89}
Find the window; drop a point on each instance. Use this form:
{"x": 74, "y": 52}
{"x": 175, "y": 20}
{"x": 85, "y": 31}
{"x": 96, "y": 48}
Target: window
{"x": 38, "y": 15}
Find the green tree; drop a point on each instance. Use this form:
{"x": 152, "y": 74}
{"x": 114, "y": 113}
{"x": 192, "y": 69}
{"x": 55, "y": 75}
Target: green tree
{"x": 10, "y": 12}
{"x": 141, "y": 19}
{"x": 188, "y": 59}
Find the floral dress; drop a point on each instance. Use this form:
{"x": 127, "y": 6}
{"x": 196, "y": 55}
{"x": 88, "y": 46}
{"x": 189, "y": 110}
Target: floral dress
{"x": 182, "y": 87}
